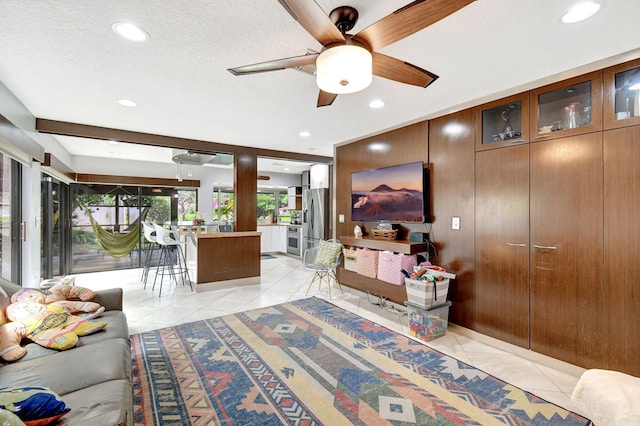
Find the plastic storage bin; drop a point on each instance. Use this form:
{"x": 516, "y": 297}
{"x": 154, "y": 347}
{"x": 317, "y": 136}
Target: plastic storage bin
{"x": 421, "y": 293}
{"x": 427, "y": 324}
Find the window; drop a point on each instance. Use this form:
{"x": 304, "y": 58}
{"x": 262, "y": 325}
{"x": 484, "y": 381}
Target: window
{"x": 223, "y": 204}
{"x": 274, "y": 203}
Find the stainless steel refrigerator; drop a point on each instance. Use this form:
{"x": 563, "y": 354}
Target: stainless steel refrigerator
{"x": 315, "y": 217}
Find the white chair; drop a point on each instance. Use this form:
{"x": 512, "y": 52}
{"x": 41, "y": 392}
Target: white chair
{"x": 151, "y": 246}
{"x": 169, "y": 242}
{"x": 323, "y": 261}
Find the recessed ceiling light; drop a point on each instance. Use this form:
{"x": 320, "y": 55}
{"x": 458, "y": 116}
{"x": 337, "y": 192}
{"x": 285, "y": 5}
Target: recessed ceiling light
{"x": 127, "y": 103}
{"x": 287, "y": 168}
{"x": 112, "y": 142}
{"x": 580, "y": 12}
{"x": 304, "y": 134}
{"x": 130, "y": 31}
{"x": 376, "y": 104}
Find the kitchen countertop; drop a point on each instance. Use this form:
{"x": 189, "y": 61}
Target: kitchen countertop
{"x": 228, "y": 234}
{"x": 279, "y": 224}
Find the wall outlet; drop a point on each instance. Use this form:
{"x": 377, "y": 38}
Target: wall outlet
{"x": 455, "y": 223}
{"x": 341, "y": 218}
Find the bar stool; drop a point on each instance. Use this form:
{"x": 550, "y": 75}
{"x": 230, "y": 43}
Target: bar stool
{"x": 169, "y": 242}
{"x": 151, "y": 246}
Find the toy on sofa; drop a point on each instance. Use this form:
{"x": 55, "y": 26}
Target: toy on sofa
{"x": 74, "y": 299}
{"x": 11, "y": 334}
{"x": 51, "y": 326}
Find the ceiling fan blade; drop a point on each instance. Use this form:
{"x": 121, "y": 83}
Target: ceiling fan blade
{"x": 314, "y": 20}
{"x": 397, "y": 70}
{"x": 408, "y": 20}
{"x": 276, "y": 64}
{"x": 326, "y": 98}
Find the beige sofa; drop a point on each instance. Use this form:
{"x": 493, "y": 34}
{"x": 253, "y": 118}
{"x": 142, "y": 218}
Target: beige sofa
{"x": 93, "y": 379}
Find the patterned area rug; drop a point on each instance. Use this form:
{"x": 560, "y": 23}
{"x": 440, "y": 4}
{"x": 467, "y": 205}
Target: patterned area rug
{"x": 311, "y": 363}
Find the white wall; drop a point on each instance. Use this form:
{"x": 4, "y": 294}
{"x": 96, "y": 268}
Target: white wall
{"x": 31, "y": 202}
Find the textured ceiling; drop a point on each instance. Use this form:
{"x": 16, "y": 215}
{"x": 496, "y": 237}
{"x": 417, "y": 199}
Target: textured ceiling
{"x": 64, "y": 62}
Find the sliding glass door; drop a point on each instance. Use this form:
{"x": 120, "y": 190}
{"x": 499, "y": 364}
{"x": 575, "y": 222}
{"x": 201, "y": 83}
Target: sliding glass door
{"x": 106, "y": 231}
{"x": 10, "y": 219}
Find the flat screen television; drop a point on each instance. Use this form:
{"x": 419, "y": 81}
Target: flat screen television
{"x": 394, "y": 194}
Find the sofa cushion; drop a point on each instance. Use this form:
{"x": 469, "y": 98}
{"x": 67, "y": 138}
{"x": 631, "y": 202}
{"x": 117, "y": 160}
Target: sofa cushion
{"x": 107, "y": 403}
{"x": 34, "y": 405}
{"x": 116, "y": 328}
{"x": 74, "y": 369}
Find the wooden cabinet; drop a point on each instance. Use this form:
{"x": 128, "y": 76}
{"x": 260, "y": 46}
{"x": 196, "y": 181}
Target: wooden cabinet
{"x": 394, "y": 293}
{"x": 294, "y": 197}
{"x": 570, "y": 107}
{"x": 566, "y": 238}
{"x": 620, "y": 341}
{"x": 622, "y": 95}
{"x": 503, "y": 122}
{"x": 502, "y": 244}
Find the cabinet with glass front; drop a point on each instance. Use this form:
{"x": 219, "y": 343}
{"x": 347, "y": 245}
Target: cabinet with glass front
{"x": 567, "y": 108}
{"x": 502, "y": 122}
{"x": 622, "y": 95}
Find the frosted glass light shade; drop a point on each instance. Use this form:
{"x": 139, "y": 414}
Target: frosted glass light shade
{"x": 344, "y": 69}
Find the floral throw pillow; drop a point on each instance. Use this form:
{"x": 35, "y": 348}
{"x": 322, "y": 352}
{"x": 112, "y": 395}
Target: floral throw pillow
{"x": 328, "y": 253}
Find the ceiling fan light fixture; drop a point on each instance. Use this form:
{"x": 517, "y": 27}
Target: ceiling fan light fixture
{"x": 344, "y": 69}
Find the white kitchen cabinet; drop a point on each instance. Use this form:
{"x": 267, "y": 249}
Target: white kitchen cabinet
{"x": 273, "y": 238}
{"x": 281, "y": 239}
{"x": 265, "y": 238}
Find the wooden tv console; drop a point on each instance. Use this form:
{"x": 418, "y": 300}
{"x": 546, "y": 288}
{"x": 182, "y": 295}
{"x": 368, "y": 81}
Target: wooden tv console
{"x": 394, "y": 293}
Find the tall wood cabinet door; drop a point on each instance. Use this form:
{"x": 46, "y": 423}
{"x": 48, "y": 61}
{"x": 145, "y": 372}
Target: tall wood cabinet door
{"x": 621, "y": 248}
{"x": 566, "y": 197}
{"x": 502, "y": 244}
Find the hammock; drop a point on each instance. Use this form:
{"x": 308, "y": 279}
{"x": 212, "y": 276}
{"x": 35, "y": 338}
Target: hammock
{"x": 116, "y": 245}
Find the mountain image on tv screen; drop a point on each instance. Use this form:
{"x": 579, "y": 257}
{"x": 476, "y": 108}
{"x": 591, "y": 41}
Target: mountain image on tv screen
{"x": 392, "y": 193}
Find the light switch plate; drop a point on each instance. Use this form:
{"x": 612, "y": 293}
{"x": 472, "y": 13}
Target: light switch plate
{"x": 341, "y": 218}
{"x": 455, "y": 222}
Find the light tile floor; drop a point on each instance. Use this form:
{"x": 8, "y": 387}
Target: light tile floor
{"x": 284, "y": 279}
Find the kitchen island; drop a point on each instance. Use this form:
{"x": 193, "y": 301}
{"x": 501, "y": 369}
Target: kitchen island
{"x": 221, "y": 259}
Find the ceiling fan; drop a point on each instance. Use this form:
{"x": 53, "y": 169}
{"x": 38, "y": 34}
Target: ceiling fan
{"x": 347, "y": 62}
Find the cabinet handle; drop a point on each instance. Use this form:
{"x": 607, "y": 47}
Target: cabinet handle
{"x": 545, "y": 247}
{"x": 517, "y": 141}
{"x": 516, "y": 244}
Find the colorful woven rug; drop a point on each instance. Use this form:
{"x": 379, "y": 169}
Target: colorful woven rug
{"x": 311, "y": 363}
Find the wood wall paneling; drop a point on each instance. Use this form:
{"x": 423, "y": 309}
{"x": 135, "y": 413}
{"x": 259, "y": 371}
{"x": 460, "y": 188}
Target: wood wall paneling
{"x": 621, "y": 315}
{"x": 404, "y": 145}
{"x": 502, "y": 244}
{"x": 245, "y": 182}
{"x": 567, "y": 293}
{"x": 452, "y": 157}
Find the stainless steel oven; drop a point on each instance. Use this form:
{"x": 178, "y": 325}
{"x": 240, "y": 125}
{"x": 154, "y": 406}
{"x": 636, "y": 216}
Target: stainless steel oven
{"x": 294, "y": 244}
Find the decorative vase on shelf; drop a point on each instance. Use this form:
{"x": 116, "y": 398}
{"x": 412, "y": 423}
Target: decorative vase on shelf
{"x": 357, "y": 231}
